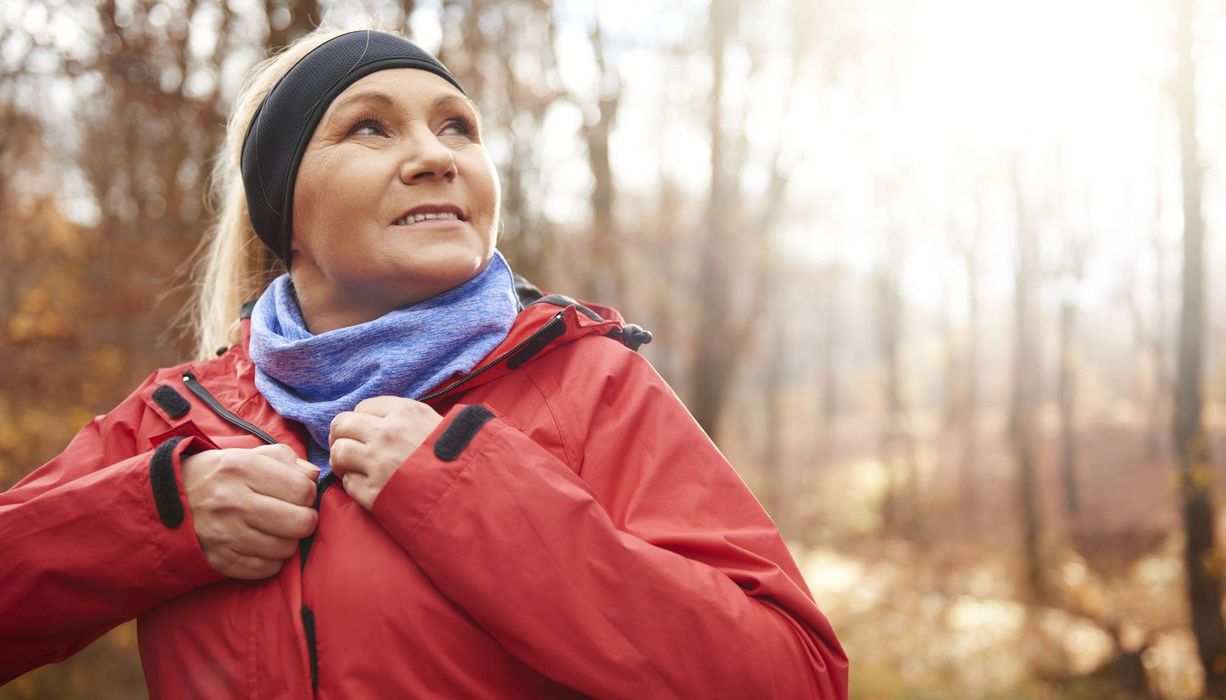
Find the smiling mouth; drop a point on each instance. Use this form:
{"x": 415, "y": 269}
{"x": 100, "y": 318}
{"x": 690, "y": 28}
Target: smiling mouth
{"x": 418, "y": 218}
{"x": 430, "y": 212}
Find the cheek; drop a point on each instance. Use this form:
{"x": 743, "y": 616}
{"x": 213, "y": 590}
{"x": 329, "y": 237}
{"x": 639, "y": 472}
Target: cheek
{"x": 333, "y": 197}
{"x": 496, "y": 184}
{"x": 483, "y": 176}
{"x": 487, "y": 187}
{"x": 309, "y": 205}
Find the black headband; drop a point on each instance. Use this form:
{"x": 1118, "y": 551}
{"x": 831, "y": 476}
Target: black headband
{"x": 286, "y": 120}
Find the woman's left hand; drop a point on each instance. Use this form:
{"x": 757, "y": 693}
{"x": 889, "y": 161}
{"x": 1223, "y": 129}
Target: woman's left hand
{"x": 369, "y": 443}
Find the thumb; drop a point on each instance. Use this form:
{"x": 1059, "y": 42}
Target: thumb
{"x": 309, "y": 470}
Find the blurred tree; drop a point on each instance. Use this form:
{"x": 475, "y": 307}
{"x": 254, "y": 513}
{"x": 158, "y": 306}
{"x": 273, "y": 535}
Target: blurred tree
{"x": 962, "y": 369}
{"x": 735, "y": 251}
{"x": 1144, "y": 296}
{"x": 1023, "y": 418}
{"x": 1203, "y": 561}
{"x": 828, "y": 284}
{"x": 776, "y": 476}
{"x": 900, "y": 507}
{"x": 715, "y": 346}
{"x": 290, "y": 19}
{"x": 606, "y": 278}
{"x": 1070, "y": 274}
{"x": 1159, "y": 344}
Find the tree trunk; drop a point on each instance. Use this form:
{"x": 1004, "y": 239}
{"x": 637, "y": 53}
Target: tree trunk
{"x": 733, "y": 281}
{"x": 406, "y": 12}
{"x": 1158, "y": 344}
{"x": 1023, "y": 422}
{"x": 828, "y": 406}
{"x": 603, "y": 281}
{"x": 900, "y": 509}
{"x": 668, "y": 358}
{"x": 778, "y": 490}
{"x": 968, "y": 471}
{"x": 1202, "y": 560}
{"x": 1067, "y": 401}
{"x": 712, "y": 363}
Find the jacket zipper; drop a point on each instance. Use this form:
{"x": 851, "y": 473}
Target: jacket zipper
{"x": 559, "y": 317}
{"x": 308, "y": 615}
{"x": 193, "y": 385}
{"x": 304, "y": 545}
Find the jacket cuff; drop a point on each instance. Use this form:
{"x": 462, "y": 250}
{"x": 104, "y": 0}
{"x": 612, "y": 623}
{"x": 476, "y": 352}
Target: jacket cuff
{"x": 438, "y": 464}
{"x": 181, "y": 557}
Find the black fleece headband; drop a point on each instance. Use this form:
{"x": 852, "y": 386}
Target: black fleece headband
{"x": 286, "y": 120}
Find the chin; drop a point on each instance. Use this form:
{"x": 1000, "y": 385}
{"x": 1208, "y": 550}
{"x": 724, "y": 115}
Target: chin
{"x": 459, "y": 263}
{"x": 439, "y": 278}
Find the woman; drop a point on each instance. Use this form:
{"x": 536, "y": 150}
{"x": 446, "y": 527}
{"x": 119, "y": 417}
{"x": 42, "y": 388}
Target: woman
{"x": 397, "y": 480}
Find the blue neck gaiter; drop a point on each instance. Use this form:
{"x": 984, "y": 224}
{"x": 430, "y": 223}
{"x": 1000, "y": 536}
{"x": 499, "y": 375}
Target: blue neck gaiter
{"x": 311, "y": 378}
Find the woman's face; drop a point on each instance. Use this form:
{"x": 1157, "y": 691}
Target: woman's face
{"x": 396, "y": 199}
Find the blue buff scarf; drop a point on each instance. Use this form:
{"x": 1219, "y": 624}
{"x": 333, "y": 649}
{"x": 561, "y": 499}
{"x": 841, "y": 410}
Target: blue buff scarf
{"x": 311, "y": 378}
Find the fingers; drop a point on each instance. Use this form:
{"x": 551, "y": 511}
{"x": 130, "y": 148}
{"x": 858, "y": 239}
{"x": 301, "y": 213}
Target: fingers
{"x": 279, "y": 452}
{"x": 359, "y": 489}
{"x": 250, "y": 506}
{"x": 269, "y": 476}
{"x": 351, "y": 424}
{"x": 349, "y": 455}
{"x": 381, "y": 405}
{"x": 262, "y": 545}
{"x": 285, "y": 455}
{"x": 243, "y": 566}
{"x": 278, "y": 518}
{"x": 309, "y": 470}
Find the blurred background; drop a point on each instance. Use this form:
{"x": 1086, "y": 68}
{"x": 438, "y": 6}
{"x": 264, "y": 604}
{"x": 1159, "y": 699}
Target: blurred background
{"x": 936, "y": 275}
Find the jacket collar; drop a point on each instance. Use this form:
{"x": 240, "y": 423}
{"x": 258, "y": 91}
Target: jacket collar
{"x": 547, "y": 323}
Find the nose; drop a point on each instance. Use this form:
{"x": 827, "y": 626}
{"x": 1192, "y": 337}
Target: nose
{"x": 426, "y": 158}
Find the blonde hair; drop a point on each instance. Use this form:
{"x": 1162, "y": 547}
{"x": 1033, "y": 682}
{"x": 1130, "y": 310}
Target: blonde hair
{"x": 233, "y": 266}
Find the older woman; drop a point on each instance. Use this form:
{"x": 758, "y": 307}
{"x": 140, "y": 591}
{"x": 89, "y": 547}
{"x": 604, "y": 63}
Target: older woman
{"x": 400, "y": 478}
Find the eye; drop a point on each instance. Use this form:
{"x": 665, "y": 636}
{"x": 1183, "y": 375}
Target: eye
{"x": 370, "y": 125}
{"x": 458, "y": 126}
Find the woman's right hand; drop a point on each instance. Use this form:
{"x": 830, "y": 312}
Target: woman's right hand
{"x": 250, "y": 506}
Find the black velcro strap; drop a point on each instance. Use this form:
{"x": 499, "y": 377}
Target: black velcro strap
{"x": 162, "y": 479}
{"x": 461, "y": 432}
{"x": 549, "y": 333}
{"x": 171, "y": 401}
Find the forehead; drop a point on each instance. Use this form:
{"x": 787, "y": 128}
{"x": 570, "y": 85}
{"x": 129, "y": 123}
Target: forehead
{"x": 407, "y": 87}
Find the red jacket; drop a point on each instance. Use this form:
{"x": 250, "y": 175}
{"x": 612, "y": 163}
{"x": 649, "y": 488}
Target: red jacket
{"x": 567, "y": 530}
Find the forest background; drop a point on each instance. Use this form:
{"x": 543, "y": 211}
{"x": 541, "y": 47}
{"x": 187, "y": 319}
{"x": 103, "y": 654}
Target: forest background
{"x": 932, "y": 273}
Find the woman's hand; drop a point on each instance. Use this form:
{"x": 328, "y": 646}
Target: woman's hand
{"x": 250, "y": 507}
{"x": 369, "y": 443}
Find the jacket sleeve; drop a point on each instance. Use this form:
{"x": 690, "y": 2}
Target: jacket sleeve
{"x": 91, "y": 539}
{"x": 655, "y": 573}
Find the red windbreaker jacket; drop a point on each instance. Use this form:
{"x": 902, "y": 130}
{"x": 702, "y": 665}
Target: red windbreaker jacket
{"x": 568, "y": 530}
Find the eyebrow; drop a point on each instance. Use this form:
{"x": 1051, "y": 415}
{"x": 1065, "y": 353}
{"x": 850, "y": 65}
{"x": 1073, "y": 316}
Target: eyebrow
{"x": 444, "y": 100}
{"x": 355, "y": 98}
{"x": 386, "y": 101}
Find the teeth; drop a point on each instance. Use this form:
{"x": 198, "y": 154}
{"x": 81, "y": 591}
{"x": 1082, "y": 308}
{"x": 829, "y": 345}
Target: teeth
{"x": 405, "y": 221}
